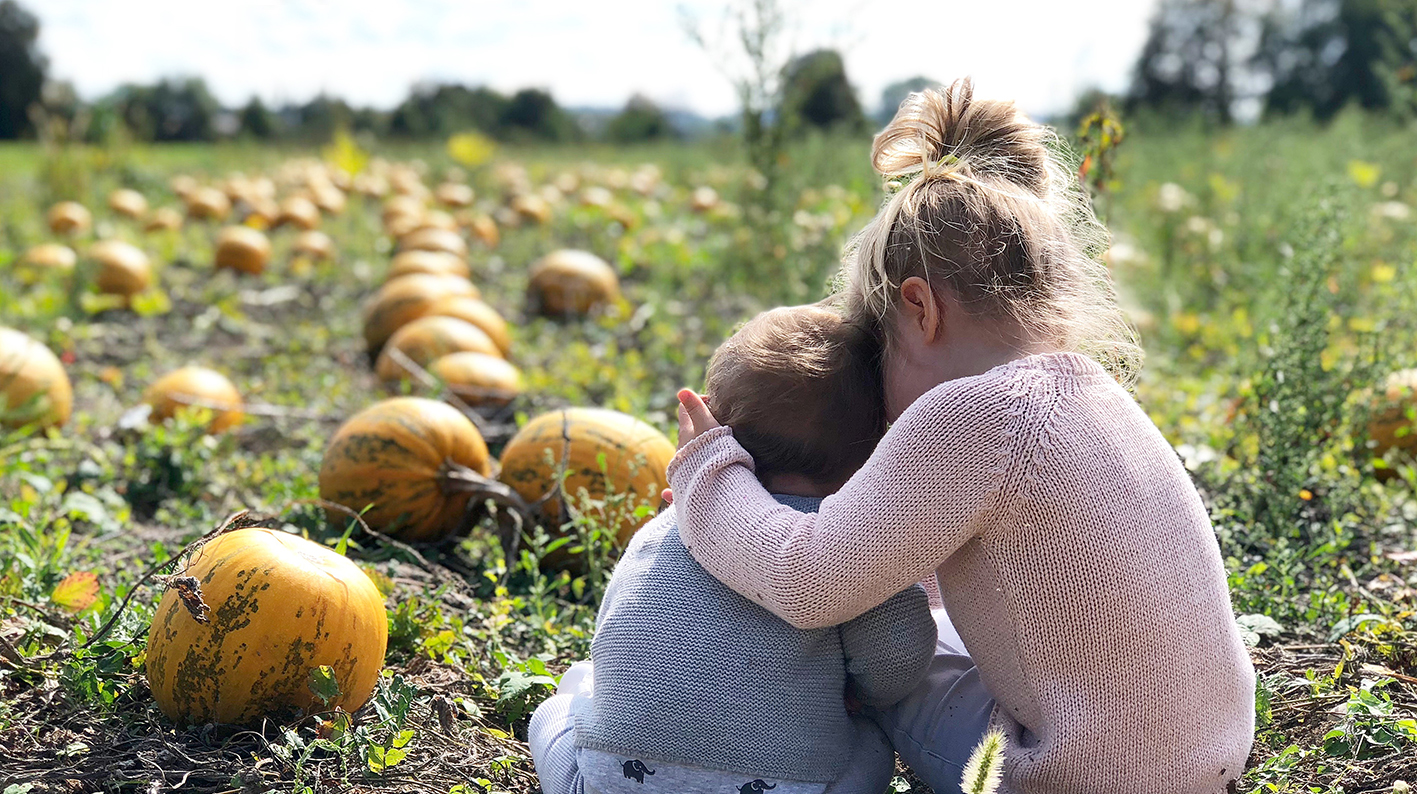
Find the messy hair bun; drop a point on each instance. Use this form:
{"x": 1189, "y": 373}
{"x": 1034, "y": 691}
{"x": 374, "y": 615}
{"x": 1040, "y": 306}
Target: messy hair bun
{"x": 986, "y": 202}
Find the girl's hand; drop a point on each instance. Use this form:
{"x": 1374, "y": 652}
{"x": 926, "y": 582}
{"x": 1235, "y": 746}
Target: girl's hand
{"x": 694, "y": 417}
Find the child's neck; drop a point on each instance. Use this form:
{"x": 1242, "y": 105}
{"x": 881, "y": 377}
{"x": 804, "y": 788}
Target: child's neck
{"x": 789, "y": 484}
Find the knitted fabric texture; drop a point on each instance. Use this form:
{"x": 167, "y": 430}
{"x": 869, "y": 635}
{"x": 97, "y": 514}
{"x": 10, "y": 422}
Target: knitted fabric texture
{"x": 689, "y": 672}
{"x": 1073, "y": 553}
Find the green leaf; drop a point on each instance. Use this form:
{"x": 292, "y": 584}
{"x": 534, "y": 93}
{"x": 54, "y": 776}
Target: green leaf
{"x": 323, "y": 683}
{"x": 381, "y": 759}
{"x": 1255, "y": 627}
{"x": 1352, "y": 623}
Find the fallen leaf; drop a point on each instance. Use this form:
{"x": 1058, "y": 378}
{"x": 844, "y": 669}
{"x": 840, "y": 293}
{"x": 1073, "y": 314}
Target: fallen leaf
{"x": 76, "y": 593}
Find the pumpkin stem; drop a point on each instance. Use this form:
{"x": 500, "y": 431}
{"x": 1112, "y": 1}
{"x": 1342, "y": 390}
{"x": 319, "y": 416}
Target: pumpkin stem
{"x": 455, "y": 478}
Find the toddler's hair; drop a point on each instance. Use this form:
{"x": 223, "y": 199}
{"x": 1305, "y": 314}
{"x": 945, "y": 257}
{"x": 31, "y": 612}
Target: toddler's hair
{"x": 801, "y": 388}
{"x": 988, "y": 203}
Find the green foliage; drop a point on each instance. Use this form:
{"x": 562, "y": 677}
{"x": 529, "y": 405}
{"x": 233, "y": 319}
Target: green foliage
{"x": 816, "y": 93}
{"x": 23, "y": 67}
{"x": 641, "y": 120}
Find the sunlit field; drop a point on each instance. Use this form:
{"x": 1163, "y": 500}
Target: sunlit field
{"x": 1269, "y": 271}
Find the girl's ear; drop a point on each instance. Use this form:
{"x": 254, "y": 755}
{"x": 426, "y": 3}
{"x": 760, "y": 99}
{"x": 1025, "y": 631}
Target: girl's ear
{"x": 921, "y": 308}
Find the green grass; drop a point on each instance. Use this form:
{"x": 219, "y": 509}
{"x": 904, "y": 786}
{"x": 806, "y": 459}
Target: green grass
{"x": 1269, "y": 298}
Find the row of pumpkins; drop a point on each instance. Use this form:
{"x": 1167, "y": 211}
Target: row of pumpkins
{"x": 405, "y": 458}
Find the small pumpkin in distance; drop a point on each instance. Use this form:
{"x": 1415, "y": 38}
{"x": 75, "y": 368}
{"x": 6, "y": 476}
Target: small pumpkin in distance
{"x": 635, "y": 454}
{"x": 50, "y": 256}
{"x": 532, "y": 207}
{"x": 434, "y": 262}
{"x": 478, "y": 378}
{"x": 429, "y": 338}
{"x": 434, "y": 239}
{"x": 69, "y": 218}
{"x": 279, "y": 607}
{"x": 163, "y": 219}
{"x": 123, "y": 268}
{"x": 408, "y": 457}
{"x": 300, "y": 212}
{"x": 34, "y": 388}
{"x": 453, "y": 194}
{"x": 242, "y": 249}
{"x": 404, "y": 299}
{"x": 1389, "y": 425}
{"x": 128, "y": 203}
{"x": 572, "y": 282}
{"x": 197, "y": 386}
{"x": 314, "y": 244}
{"x": 208, "y": 204}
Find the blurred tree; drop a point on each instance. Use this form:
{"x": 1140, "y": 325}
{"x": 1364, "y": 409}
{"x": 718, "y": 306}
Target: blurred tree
{"x": 443, "y": 109}
{"x": 817, "y": 93}
{"x": 895, "y": 93}
{"x": 1325, "y": 54}
{"x": 172, "y": 110}
{"x": 257, "y": 121}
{"x": 533, "y": 113}
{"x": 1188, "y": 62}
{"x": 641, "y": 120}
{"x": 22, "y": 69}
{"x": 321, "y": 116}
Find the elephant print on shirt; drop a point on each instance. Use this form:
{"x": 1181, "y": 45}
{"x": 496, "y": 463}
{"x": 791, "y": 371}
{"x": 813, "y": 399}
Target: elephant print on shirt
{"x": 635, "y": 770}
{"x": 756, "y": 787}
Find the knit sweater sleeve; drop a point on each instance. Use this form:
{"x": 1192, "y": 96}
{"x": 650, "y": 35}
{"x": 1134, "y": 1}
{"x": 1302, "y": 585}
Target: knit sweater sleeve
{"x": 888, "y": 649}
{"x": 921, "y": 496}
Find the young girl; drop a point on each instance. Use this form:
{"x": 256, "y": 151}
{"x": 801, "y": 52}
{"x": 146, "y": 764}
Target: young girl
{"x": 1073, "y": 554}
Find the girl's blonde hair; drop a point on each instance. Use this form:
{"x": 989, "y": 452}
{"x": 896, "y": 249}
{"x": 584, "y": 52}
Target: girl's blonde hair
{"x": 986, "y": 202}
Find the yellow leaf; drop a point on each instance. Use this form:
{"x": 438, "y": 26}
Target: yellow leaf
{"x": 471, "y": 148}
{"x": 77, "y": 592}
{"x": 1384, "y": 273}
{"x": 1364, "y": 174}
{"x": 345, "y": 154}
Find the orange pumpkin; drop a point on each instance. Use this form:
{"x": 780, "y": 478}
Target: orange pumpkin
{"x": 434, "y": 262}
{"x": 484, "y": 229}
{"x": 314, "y": 245}
{"x": 128, "y": 203}
{"x": 405, "y": 457}
{"x": 404, "y": 299}
{"x": 122, "y": 268}
{"x": 478, "y": 378}
{"x": 242, "y": 249}
{"x": 635, "y": 454}
{"x": 195, "y": 386}
{"x": 434, "y": 239}
{"x": 34, "y": 388}
{"x": 479, "y": 314}
{"x": 300, "y": 212}
{"x": 50, "y": 256}
{"x": 572, "y": 282}
{"x": 279, "y": 607}
{"x": 208, "y": 204}
{"x": 428, "y": 338}
{"x": 69, "y": 217}
{"x": 532, "y": 207}
{"x": 1390, "y": 425}
{"x": 453, "y": 194}
{"x": 163, "y": 219}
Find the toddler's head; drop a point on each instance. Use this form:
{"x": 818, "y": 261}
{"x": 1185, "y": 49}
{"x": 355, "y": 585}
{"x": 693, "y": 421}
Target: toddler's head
{"x": 801, "y": 388}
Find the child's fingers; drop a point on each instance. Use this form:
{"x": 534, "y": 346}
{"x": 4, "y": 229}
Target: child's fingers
{"x": 667, "y": 495}
{"x": 686, "y": 427}
{"x": 697, "y": 411}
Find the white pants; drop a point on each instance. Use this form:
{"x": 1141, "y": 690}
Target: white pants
{"x": 559, "y": 762}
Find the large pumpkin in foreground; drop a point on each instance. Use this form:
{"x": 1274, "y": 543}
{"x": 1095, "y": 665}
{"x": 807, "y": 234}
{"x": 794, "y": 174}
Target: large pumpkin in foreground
{"x": 280, "y": 606}
{"x": 572, "y": 282}
{"x": 635, "y": 456}
{"x": 408, "y": 457}
{"x": 34, "y": 389}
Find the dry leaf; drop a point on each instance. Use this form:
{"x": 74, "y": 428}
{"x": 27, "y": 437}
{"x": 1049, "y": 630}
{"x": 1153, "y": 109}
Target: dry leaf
{"x": 76, "y": 593}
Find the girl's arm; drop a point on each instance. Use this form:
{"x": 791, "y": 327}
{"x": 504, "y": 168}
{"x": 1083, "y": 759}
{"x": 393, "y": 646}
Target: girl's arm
{"x": 923, "y": 494}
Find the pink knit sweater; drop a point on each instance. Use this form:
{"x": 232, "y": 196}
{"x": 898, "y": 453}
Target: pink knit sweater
{"x": 1073, "y": 553}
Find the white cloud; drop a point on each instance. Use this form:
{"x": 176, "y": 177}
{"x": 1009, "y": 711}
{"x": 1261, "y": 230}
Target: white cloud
{"x": 1040, "y": 52}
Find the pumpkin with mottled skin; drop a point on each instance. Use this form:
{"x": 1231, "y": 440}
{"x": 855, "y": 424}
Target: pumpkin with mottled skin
{"x": 404, "y": 299}
{"x": 431, "y": 238}
{"x": 243, "y": 249}
{"x": 430, "y": 338}
{"x": 411, "y": 459}
{"x": 280, "y": 606}
{"x": 438, "y": 263}
{"x": 635, "y": 456}
{"x": 478, "y": 378}
{"x": 34, "y": 388}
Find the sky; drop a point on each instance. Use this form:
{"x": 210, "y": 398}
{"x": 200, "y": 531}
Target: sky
{"x": 586, "y": 52}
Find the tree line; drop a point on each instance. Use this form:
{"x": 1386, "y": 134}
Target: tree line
{"x": 1216, "y": 58}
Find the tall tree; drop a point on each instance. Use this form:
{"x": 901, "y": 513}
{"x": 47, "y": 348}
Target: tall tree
{"x": 534, "y": 113}
{"x": 895, "y": 93}
{"x": 817, "y": 93}
{"x": 641, "y": 120}
{"x": 22, "y": 69}
{"x": 1189, "y": 58}
{"x": 257, "y": 121}
{"x": 1329, "y": 53}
